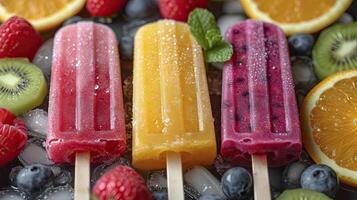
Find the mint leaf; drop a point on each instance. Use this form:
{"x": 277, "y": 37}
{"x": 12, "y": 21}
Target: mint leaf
{"x": 213, "y": 37}
{"x": 221, "y": 52}
{"x": 204, "y": 28}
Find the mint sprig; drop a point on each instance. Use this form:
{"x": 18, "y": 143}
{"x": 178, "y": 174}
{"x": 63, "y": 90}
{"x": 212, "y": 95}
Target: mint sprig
{"x": 204, "y": 28}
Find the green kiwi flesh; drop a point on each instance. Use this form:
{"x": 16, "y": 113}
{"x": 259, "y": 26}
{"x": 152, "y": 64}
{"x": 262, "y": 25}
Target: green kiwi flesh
{"x": 22, "y": 85}
{"x": 336, "y": 50}
{"x": 302, "y": 194}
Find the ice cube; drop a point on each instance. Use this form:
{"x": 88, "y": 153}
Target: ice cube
{"x": 57, "y": 193}
{"x": 156, "y": 180}
{"x": 101, "y": 169}
{"x": 36, "y": 121}
{"x": 190, "y": 192}
{"x": 43, "y": 58}
{"x": 203, "y": 181}
{"x": 34, "y": 153}
{"x": 63, "y": 175}
{"x": 13, "y": 194}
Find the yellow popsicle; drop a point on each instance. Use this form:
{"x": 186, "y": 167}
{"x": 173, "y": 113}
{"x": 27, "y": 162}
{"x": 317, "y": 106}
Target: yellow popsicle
{"x": 171, "y": 106}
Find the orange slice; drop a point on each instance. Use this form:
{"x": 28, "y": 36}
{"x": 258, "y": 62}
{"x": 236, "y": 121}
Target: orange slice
{"x": 42, "y": 14}
{"x": 329, "y": 119}
{"x": 296, "y": 16}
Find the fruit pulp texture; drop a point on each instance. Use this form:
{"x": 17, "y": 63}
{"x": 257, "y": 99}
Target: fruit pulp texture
{"x": 171, "y": 106}
{"x": 259, "y": 112}
{"x": 335, "y": 113}
{"x": 34, "y": 10}
{"x": 294, "y": 11}
{"x": 86, "y": 105}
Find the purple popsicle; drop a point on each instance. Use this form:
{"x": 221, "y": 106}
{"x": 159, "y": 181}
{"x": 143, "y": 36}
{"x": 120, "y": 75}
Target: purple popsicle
{"x": 259, "y": 111}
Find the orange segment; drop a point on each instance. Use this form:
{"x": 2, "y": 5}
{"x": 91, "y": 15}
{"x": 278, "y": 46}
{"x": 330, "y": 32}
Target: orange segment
{"x": 335, "y": 112}
{"x": 43, "y": 14}
{"x": 297, "y": 16}
{"x": 294, "y": 11}
{"x": 329, "y": 120}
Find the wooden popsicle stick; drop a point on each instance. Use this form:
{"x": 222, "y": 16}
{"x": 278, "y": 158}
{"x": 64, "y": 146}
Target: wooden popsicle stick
{"x": 174, "y": 176}
{"x": 82, "y": 176}
{"x": 261, "y": 177}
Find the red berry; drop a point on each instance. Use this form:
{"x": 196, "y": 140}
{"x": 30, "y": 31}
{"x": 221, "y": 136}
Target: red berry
{"x": 121, "y": 183}
{"x": 18, "y": 39}
{"x": 180, "y": 9}
{"x": 6, "y": 117}
{"x": 13, "y": 136}
{"x": 104, "y": 8}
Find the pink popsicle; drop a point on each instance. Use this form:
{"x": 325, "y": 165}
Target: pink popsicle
{"x": 86, "y": 105}
{"x": 259, "y": 111}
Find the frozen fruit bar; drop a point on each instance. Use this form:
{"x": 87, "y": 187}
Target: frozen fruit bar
{"x": 259, "y": 111}
{"x": 172, "y": 110}
{"x": 86, "y": 104}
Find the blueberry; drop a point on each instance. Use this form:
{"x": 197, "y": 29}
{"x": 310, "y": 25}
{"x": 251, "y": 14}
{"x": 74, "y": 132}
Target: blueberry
{"x": 240, "y": 80}
{"x": 237, "y": 183}
{"x": 73, "y": 20}
{"x": 210, "y": 197}
{"x": 345, "y": 18}
{"x": 140, "y": 8}
{"x": 126, "y": 47}
{"x": 160, "y": 195}
{"x": 292, "y": 174}
{"x": 301, "y": 44}
{"x": 245, "y": 93}
{"x": 33, "y": 177}
{"x": 320, "y": 178}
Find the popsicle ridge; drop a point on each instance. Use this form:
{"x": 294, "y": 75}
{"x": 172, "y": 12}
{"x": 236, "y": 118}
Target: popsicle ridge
{"x": 171, "y": 104}
{"x": 86, "y": 109}
{"x": 259, "y": 112}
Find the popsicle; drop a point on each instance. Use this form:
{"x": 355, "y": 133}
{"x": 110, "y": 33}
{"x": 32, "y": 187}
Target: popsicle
{"x": 86, "y": 112}
{"x": 171, "y": 107}
{"x": 259, "y": 111}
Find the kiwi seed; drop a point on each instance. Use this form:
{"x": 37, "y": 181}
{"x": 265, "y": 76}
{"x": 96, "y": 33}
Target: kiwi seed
{"x": 336, "y": 50}
{"x": 22, "y": 85}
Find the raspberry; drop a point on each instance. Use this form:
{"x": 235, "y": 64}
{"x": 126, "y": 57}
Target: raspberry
{"x": 121, "y": 183}
{"x": 18, "y": 39}
{"x": 180, "y": 9}
{"x": 13, "y": 136}
{"x": 103, "y": 8}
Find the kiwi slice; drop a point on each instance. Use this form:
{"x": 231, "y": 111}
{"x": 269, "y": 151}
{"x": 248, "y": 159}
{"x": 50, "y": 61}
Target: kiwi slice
{"x": 22, "y": 85}
{"x": 302, "y": 194}
{"x": 336, "y": 49}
